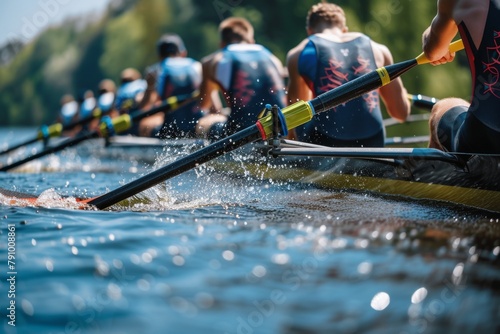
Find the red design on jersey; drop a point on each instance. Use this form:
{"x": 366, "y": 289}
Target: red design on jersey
{"x": 242, "y": 92}
{"x": 371, "y": 100}
{"x": 492, "y": 68}
{"x": 334, "y": 76}
{"x": 363, "y": 66}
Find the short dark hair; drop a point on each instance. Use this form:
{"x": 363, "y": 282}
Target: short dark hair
{"x": 170, "y": 45}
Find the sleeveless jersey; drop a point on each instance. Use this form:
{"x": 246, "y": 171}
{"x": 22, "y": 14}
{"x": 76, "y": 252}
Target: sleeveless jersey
{"x": 485, "y": 67}
{"x": 325, "y": 65}
{"x": 105, "y": 101}
{"x": 250, "y": 80}
{"x": 87, "y": 107}
{"x": 125, "y": 96}
{"x": 68, "y": 111}
{"x": 179, "y": 76}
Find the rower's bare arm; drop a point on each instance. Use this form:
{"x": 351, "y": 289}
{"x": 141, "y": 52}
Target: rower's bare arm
{"x": 298, "y": 90}
{"x": 394, "y": 95}
{"x": 438, "y": 36}
{"x": 209, "y": 97}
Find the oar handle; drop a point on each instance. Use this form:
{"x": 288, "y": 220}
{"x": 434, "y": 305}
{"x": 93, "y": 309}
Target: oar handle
{"x": 454, "y": 47}
{"x": 422, "y": 101}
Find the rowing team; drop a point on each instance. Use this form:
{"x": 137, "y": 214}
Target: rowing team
{"x": 248, "y": 76}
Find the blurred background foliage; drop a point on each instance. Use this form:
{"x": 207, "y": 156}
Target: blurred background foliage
{"x": 76, "y": 55}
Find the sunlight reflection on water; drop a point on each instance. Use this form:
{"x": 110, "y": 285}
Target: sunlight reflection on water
{"x": 205, "y": 253}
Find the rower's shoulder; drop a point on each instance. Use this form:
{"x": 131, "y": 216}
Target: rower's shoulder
{"x": 294, "y": 53}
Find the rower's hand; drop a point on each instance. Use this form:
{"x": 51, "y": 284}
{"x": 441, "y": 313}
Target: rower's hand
{"x": 447, "y": 58}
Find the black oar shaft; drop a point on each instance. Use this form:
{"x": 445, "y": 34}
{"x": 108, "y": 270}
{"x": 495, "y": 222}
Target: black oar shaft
{"x": 122, "y": 124}
{"x": 55, "y": 130}
{"x": 360, "y": 86}
{"x": 53, "y": 149}
{"x": 424, "y": 102}
{"x": 179, "y": 166}
{"x": 15, "y": 147}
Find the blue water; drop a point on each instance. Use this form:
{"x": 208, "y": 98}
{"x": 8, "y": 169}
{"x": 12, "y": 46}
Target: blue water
{"x": 202, "y": 253}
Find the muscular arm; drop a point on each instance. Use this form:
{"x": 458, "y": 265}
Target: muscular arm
{"x": 297, "y": 86}
{"x": 437, "y": 37}
{"x": 394, "y": 94}
{"x": 209, "y": 98}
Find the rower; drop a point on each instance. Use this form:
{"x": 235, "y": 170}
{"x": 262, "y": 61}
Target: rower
{"x": 130, "y": 94}
{"x": 455, "y": 124}
{"x": 247, "y": 74}
{"x": 87, "y": 105}
{"x": 175, "y": 75}
{"x": 107, "y": 94}
{"x": 68, "y": 113}
{"x": 330, "y": 57}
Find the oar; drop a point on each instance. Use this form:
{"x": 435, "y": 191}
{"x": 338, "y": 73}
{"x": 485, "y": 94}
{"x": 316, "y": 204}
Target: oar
{"x": 107, "y": 128}
{"x": 294, "y": 115}
{"x": 55, "y": 130}
{"x": 422, "y": 101}
{"x": 371, "y": 152}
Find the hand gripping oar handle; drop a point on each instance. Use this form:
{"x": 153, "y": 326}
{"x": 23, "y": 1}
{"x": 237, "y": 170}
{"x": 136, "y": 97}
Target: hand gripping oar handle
{"x": 454, "y": 47}
{"x": 108, "y": 127}
{"x": 296, "y": 114}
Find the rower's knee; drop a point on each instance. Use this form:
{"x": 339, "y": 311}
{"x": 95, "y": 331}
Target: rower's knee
{"x": 437, "y": 112}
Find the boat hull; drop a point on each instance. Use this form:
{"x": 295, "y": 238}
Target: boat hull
{"x": 475, "y": 184}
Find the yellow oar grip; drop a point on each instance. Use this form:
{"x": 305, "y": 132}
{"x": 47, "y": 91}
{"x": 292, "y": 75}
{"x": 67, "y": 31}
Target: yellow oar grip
{"x": 120, "y": 124}
{"x": 97, "y": 113}
{"x": 296, "y": 114}
{"x": 173, "y": 102}
{"x": 384, "y": 75}
{"x": 54, "y": 130}
{"x": 454, "y": 47}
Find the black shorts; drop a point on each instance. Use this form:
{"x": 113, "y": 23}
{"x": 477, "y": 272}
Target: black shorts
{"x": 460, "y": 131}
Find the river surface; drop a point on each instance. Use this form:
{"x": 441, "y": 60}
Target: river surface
{"x": 203, "y": 253}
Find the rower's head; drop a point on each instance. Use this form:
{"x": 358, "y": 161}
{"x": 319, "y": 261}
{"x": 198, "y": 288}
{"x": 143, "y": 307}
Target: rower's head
{"x": 129, "y": 75}
{"x": 106, "y": 86}
{"x": 66, "y": 98}
{"x": 170, "y": 45}
{"x": 236, "y": 30}
{"x": 325, "y": 16}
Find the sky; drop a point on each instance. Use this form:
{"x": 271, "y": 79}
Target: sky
{"x": 26, "y": 18}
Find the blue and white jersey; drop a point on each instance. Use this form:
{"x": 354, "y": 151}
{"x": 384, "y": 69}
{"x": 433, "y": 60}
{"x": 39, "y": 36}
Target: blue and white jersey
{"x": 68, "y": 111}
{"x": 87, "y": 107}
{"x": 105, "y": 101}
{"x": 178, "y": 76}
{"x": 127, "y": 93}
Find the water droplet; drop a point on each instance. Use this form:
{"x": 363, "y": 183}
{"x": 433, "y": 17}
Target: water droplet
{"x": 27, "y": 307}
{"x": 228, "y": 255}
{"x": 380, "y": 301}
{"x": 419, "y": 295}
